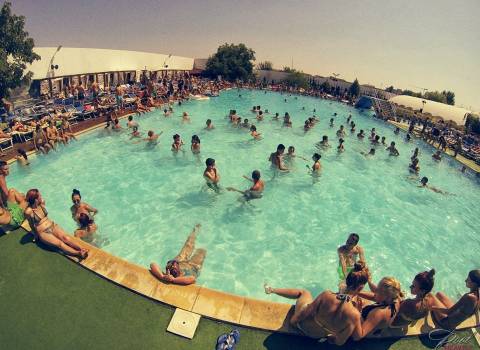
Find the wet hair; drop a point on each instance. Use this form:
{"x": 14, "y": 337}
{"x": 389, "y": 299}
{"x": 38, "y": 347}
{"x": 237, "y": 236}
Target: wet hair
{"x": 424, "y": 179}
{"x": 196, "y": 139}
{"x": 317, "y": 156}
{"x": 84, "y": 220}
{"x": 176, "y": 136}
{"x": 210, "y": 162}
{"x": 426, "y": 280}
{"x": 150, "y": 133}
{"x": 358, "y": 276}
{"x": 474, "y": 275}
{"x": 130, "y": 118}
{"x": 291, "y": 148}
{"x": 372, "y": 150}
{"x": 31, "y": 196}
{"x": 76, "y": 192}
{"x": 209, "y": 121}
{"x": 245, "y": 120}
{"x": 174, "y": 270}
{"x": 377, "y": 137}
{"x": 354, "y": 235}
{"x": 392, "y": 143}
{"x": 260, "y": 113}
{"x": 325, "y": 138}
{"x": 22, "y": 152}
{"x": 390, "y": 288}
{"x": 165, "y": 110}
{"x": 253, "y": 128}
{"x": 280, "y": 147}
{"x": 256, "y": 175}
{"x": 135, "y": 128}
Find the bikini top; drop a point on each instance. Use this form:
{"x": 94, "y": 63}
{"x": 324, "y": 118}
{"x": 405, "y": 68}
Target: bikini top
{"x": 36, "y": 218}
{"x": 367, "y": 309}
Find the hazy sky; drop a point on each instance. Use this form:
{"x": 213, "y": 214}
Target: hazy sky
{"x": 433, "y": 44}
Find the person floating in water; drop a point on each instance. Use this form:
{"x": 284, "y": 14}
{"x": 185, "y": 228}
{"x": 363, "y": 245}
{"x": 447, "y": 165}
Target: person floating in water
{"x": 424, "y": 184}
{"x": 348, "y": 254}
{"x": 211, "y": 175}
{"x": 255, "y": 191}
{"x": 185, "y": 268}
{"x": 152, "y": 138}
{"x": 276, "y": 158}
{"x": 253, "y": 131}
{"x": 393, "y": 150}
{"x": 371, "y": 153}
{"x": 210, "y": 125}
{"x": 437, "y": 156}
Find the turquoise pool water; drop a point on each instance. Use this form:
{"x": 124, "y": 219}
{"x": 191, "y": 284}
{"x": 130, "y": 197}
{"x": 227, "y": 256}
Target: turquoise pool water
{"x": 149, "y": 199}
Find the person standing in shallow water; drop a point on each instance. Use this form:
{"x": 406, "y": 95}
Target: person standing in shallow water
{"x": 211, "y": 175}
{"x": 276, "y": 158}
{"x": 349, "y": 254}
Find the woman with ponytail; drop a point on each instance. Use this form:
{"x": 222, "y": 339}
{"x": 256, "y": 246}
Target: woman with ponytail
{"x": 416, "y": 308}
{"x": 330, "y": 315}
{"x": 447, "y": 314}
{"x": 386, "y": 296}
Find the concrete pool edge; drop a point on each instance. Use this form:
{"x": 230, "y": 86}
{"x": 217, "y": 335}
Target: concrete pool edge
{"x": 218, "y": 305}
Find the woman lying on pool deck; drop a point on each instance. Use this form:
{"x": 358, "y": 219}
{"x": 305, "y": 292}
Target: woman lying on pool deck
{"x": 185, "y": 267}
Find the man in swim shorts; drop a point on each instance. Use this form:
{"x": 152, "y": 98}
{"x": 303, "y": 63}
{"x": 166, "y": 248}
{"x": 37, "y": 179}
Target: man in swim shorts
{"x": 15, "y": 201}
{"x": 185, "y": 267}
{"x": 348, "y": 255}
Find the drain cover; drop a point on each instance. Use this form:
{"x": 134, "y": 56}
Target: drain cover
{"x": 184, "y": 323}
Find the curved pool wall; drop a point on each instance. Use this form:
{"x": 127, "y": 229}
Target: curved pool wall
{"x": 290, "y": 236}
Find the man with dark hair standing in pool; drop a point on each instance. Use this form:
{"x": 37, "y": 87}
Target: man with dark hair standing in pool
{"x": 211, "y": 175}
{"x": 276, "y": 158}
{"x": 349, "y": 254}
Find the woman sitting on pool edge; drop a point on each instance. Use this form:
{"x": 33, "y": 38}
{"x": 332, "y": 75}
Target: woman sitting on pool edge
{"x": 330, "y": 315}
{"x": 185, "y": 267}
{"x": 46, "y": 230}
{"x": 447, "y": 314}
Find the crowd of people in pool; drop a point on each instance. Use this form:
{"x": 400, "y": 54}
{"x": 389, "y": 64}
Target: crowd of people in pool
{"x": 333, "y": 316}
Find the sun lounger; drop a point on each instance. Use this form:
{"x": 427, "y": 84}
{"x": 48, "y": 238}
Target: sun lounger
{"x": 6, "y": 144}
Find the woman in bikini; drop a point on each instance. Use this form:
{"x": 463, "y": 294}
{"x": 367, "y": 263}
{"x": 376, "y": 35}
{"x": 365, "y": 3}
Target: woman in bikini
{"x": 40, "y": 140}
{"x": 416, "y": 308}
{"x": 46, "y": 230}
{"x": 80, "y": 207}
{"x": 330, "y": 315}
{"x": 386, "y": 297}
{"x": 447, "y": 314}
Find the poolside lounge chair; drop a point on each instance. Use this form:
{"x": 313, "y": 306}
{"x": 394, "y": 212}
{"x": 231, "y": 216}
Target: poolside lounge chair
{"x": 6, "y": 144}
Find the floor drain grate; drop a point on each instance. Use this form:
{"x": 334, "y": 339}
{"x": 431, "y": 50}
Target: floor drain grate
{"x": 184, "y": 323}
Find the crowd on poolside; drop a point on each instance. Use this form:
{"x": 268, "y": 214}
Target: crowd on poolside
{"x": 53, "y": 124}
{"x": 333, "y": 316}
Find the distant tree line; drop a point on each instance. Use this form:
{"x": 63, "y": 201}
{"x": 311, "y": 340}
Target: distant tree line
{"x": 444, "y": 96}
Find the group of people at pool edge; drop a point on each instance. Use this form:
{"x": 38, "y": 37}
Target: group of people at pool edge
{"x": 320, "y": 315}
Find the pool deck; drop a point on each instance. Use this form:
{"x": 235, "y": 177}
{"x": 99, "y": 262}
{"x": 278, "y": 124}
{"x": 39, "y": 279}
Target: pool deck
{"x": 465, "y": 161}
{"x": 49, "y": 302}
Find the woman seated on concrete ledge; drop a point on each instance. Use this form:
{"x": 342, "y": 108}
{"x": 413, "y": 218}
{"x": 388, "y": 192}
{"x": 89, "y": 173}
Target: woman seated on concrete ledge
{"x": 416, "y": 308}
{"x": 447, "y": 314}
{"x": 330, "y": 315}
{"x": 46, "y": 230}
{"x": 185, "y": 267}
{"x": 377, "y": 316}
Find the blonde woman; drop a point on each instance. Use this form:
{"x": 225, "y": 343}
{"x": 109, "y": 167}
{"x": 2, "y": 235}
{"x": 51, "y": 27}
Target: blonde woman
{"x": 386, "y": 297}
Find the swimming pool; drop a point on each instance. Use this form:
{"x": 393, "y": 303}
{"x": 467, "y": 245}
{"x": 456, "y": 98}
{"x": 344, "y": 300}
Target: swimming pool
{"x": 149, "y": 199}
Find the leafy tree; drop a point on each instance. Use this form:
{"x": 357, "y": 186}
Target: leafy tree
{"x": 16, "y": 50}
{"x": 297, "y": 79}
{"x": 411, "y": 93}
{"x": 288, "y": 70}
{"x": 435, "y": 96}
{"x": 450, "y": 97}
{"x": 325, "y": 86}
{"x": 231, "y": 62}
{"x": 473, "y": 124}
{"x": 354, "y": 89}
{"x": 265, "y": 65}
{"x": 390, "y": 88}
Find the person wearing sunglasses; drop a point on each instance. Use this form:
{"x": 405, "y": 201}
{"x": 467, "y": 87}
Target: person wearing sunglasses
{"x": 185, "y": 268}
